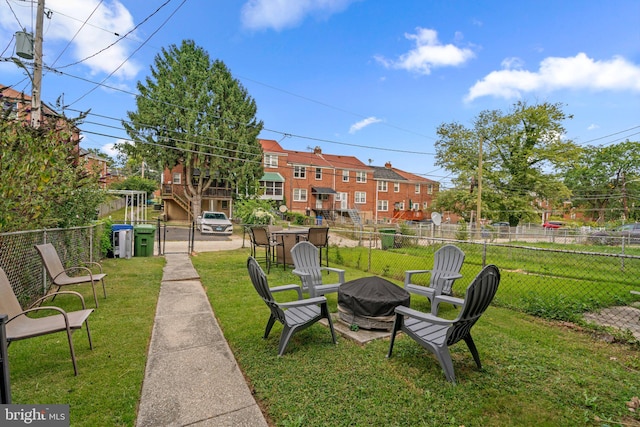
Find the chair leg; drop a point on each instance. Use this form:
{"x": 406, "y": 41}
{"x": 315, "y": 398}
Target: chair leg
{"x": 473, "y": 350}
{"x": 397, "y": 325}
{"x": 327, "y": 254}
{"x": 325, "y": 314}
{"x": 73, "y": 353}
{"x": 270, "y": 323}
{"x": 287, "y": 332}
{"x": 444, "y": 357}
{"x": 95, "y": 296}
{"x": 267, "y": 253}
{"x": 104, "y": 288}
{"x": 86, "y": 325}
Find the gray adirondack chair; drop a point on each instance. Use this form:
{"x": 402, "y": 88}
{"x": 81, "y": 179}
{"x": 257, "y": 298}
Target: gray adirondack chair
{"x": 60, "y": 275}
{"x": 295, "y": 315}
{"x": 319, "y": 236}
{"x": 307, "y": 266}
{"x": 447, "y": 262}
{"x": 20, "y": 326}
{"x": 437, "y": 334}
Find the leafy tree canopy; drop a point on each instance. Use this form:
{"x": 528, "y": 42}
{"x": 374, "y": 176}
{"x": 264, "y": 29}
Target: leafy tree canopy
{"x": 522, "y": 152}
{"x": 192, "y": 111}
{"x": 137, "y": 183}
{"x": 42, "y": 182}
{"x": 605, "y": 181}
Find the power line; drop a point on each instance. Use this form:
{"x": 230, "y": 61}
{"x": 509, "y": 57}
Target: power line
{"x": 132, "y": 53}
{"x": 14, "y": 15}
{"x": 77, "y": 32}
{"x": 121, "y": 38}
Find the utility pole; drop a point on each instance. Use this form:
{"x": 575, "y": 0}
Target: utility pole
{"x": 36, "y": 103}
{"x": 479, "y": 203}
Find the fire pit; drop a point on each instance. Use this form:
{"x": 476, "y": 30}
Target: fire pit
{"x": 369, "y": 302}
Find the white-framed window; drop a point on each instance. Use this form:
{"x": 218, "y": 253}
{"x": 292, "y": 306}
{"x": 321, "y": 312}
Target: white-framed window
{"x": 299, "y": 172}
{"x": 383, "y": 186}
{"x": 429, "y": 188}
{"x": 396, "y": 187}
{"x": 361, "y": 176}
{"x": 360, "y": 197}
{"x": 417, "y": 189}
{"x": 425, "y": 205}
{"x": 318, "y": 174}
{"x": 345, "y": 175}
{"x": 400, "y": 206}
{"x": 299, "y": 194}
{"x": 383, "y": 205}
{"x": 177, "y": 178}
{"x": 415, "y": 206}
{"x": 271, "y": 188}
{"x": 270, "y": 161}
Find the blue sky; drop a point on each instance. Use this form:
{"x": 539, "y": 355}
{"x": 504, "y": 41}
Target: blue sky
{"x": 369, "y": 78}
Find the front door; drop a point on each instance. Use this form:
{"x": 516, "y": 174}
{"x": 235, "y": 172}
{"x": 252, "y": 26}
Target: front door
{"x": 319, "y": 199}
{"x": 342, "y": 197}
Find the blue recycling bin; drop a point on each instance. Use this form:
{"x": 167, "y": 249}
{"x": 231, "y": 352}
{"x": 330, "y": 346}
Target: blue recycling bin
{"x": 319, "y": 220}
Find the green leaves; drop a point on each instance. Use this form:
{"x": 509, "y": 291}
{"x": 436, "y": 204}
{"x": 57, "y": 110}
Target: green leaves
{"x": 42, "y": 184}
{"x": 522, "y": 153}
{"x": 192, "y": 111}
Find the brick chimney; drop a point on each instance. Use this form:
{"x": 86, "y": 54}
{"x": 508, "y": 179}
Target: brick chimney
{"x": 387, "y": 165}
{"x": 317, "y": 150}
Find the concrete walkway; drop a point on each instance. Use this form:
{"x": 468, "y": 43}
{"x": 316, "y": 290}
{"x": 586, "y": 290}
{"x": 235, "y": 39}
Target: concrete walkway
{"x": 192, "y": 377}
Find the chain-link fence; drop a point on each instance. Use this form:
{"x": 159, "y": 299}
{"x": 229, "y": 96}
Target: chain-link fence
{"x": 582, "y": 283}
{"x": 23, "y": 266}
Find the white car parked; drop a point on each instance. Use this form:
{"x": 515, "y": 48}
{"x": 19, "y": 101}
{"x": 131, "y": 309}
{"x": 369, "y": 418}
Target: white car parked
{"x": 215, "y": 223}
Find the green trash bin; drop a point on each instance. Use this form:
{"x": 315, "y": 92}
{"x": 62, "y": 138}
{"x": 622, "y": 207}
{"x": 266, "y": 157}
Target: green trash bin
{"x": 387, "y": 236}
{"x": 143, "y": 236}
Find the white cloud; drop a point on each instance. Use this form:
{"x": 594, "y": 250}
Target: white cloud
{"x": 428, "y": 53}
{"x": 110, "y": 149}
{"x": 281, "y": 14}
{"x": 99, "y": 32}
{"x": 578, "y": 72}
{"x": 593, "y": 126}
{"x": 363, "y": 123}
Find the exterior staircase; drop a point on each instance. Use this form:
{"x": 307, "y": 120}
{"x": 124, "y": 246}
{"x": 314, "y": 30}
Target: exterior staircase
{"x": 184, "y": 204}
{"x": 354, "y": 214}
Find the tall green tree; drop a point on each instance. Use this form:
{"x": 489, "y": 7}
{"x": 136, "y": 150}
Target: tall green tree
{"x": 605, "y": 181}
{"x": 523, "y": 153}
{"x": 191, "y": 110}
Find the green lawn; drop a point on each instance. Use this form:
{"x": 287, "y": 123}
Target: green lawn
{"x": 109, "y": 382}
{"x": 534, "y": 372}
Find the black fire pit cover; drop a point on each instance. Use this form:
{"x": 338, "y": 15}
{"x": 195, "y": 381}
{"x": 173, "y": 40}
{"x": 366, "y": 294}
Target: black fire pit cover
{"x": 371, "y": 296}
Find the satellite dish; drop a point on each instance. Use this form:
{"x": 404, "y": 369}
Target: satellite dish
{"x": 283, "y": 208}
{"x": 436, "y": 218}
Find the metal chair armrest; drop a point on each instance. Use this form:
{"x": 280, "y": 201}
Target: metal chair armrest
{"x": 53, "y": 294}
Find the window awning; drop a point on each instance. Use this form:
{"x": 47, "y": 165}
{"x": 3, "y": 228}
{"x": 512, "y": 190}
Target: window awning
{"x": 272, "y": 177}
{"x": 323, "y": 190}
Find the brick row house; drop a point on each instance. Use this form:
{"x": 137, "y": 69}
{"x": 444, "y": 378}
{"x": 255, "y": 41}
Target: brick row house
{"x": 17, "y": 106}
{"x": 343, "y": 188}
{"x": 338, "y": 188}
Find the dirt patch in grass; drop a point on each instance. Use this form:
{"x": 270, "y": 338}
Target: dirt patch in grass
{"x": 621, "y": 317}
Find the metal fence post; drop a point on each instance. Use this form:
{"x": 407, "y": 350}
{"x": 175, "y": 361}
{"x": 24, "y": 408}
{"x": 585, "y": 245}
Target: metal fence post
{"x": 5, "y": 385}
{"x": 484, "y": 254}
